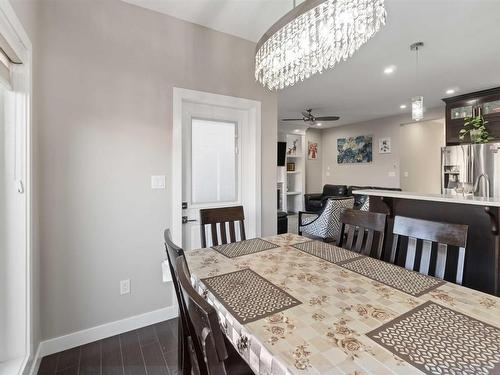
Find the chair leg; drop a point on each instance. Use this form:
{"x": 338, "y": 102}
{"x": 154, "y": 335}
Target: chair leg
{"x": 180, "y": 345}
{"x": 186, "y": 361}
{"x": 183, "y": 357}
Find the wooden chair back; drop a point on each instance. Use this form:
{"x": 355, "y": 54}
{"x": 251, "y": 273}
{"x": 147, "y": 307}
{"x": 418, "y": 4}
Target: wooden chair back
{"x": 174, "y": 252}
{"x": 207, "y": 336}
{"x": 221, "y": 216}
{"x": 358, "y": 228}
{"x": 429, "y": 232}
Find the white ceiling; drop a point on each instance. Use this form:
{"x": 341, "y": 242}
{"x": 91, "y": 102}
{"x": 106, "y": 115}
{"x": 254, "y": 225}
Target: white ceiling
{"x": 248, "y": 19}
{"x": 462, "y": 51}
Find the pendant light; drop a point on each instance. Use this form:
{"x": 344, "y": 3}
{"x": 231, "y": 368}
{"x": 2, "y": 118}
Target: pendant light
{"x": 417, "y": 102}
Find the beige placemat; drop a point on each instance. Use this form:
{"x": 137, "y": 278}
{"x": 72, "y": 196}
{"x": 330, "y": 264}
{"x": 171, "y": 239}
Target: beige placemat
{"x": 439, "y": 340}
{"x": 399, "y": 278}
{"x": 248, "y": 296}
{"x": 238, "y": 249}
{"x": 325, "y": 251}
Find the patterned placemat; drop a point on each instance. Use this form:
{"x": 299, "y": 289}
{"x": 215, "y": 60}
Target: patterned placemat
{"x": 238, "y": 249}
{"x": 248, "y": 296}
{"x": 438, "y": 340}
{"x": 326, "y": 251}
{"x": 399, "y": 278}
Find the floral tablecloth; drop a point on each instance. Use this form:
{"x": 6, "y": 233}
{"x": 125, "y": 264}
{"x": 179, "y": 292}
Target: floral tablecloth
{"x": 348, "y": 323}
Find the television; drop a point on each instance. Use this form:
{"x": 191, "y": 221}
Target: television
{"x": 281, "y": 154}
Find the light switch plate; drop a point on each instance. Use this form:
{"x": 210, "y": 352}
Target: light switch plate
{"x": 157, "y": 182}
{"x": 125, "y": 287}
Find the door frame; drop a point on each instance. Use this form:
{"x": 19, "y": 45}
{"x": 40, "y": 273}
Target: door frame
{"x": 13, "y": 31}
{"x": 253, "y": 164}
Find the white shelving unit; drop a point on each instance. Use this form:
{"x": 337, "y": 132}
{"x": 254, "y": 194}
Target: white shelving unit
{"x": 291, "y": 184}
{"x": 281, "y": 188}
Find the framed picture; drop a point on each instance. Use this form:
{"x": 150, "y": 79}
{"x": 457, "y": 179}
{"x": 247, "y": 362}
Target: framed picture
{"x": 384, "y": 145}
{"x": 290, "y": 167}
{"x": 354, "y": 149}
{"x": 312, "y": 151}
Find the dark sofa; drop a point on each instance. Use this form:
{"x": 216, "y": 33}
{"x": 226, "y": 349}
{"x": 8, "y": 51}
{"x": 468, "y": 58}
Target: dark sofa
{"x": 315, "y": 202}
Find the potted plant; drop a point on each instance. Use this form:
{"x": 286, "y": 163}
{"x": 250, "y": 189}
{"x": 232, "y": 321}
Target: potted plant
{"x": 475, "y": 126}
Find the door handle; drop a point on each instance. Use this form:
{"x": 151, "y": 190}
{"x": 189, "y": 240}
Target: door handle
{"x": 20, "y": 187}
{"x": 186, "y": 220}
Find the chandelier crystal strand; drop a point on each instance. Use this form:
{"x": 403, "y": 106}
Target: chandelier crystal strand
{"x": 316, "y": 40}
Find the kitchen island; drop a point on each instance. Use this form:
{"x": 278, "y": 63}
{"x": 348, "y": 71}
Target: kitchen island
{"x": 482, "y": 264}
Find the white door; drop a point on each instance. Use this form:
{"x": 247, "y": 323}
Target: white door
{"x": 13, "y": 229}
{"x": 211, "y": 164}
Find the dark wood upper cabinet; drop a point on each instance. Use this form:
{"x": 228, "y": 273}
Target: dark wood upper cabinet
{"x": 485, "y": 102}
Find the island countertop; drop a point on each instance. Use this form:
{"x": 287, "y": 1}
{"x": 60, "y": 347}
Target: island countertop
{"x": 446, "y": 198}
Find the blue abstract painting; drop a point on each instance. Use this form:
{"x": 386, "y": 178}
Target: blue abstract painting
{"x": 354, "y": 149}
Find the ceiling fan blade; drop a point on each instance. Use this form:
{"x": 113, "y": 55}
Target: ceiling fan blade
{"x": 292, "y": 119}
{"x": 327, "y": 118}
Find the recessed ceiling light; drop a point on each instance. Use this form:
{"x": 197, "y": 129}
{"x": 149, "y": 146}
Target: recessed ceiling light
{"x": 450, "y": 91}
{"x": 402, "y": 106}
{"x": 319, "y": 124}
{"x": 297, "y": 130}
{"x": 390, "y": 69}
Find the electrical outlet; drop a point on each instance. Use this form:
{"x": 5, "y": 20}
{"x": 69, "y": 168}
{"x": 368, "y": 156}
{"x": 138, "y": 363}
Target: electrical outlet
{"x": 125, "y": 287}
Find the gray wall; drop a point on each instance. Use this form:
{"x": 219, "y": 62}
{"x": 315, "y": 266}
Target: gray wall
{"x": 377, "y": 172}
{"x": 420, "y": 162}
{"x": 314, "y": 167}
{"x": 103, "y": 86}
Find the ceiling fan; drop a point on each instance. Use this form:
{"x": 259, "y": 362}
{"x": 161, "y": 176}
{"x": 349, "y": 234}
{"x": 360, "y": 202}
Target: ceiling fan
{"x": 311, "y": 119}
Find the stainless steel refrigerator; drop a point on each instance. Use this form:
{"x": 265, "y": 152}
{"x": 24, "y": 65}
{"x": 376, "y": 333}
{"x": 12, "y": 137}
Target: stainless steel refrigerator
{"x": 471, "y": 169}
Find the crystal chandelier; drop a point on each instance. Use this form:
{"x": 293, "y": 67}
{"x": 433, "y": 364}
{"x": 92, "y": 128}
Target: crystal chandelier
{"x": 313, "y": 37}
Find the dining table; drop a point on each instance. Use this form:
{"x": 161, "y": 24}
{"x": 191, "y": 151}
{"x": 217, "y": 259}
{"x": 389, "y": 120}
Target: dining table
{"x": 292, "y": 305}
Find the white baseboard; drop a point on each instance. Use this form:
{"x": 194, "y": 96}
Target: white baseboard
{"x": 86, "y": 336}
{"x": 35, "y": 364}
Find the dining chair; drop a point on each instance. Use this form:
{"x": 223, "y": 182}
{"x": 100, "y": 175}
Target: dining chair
{"x": 212, "y": 355}
{"x": 325, "y": 225}
{"x": 174, "y": 252}
{"x": 221, "y": 216}
{"x": 429, "y": 232}
{"x": 358, "y": 229}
